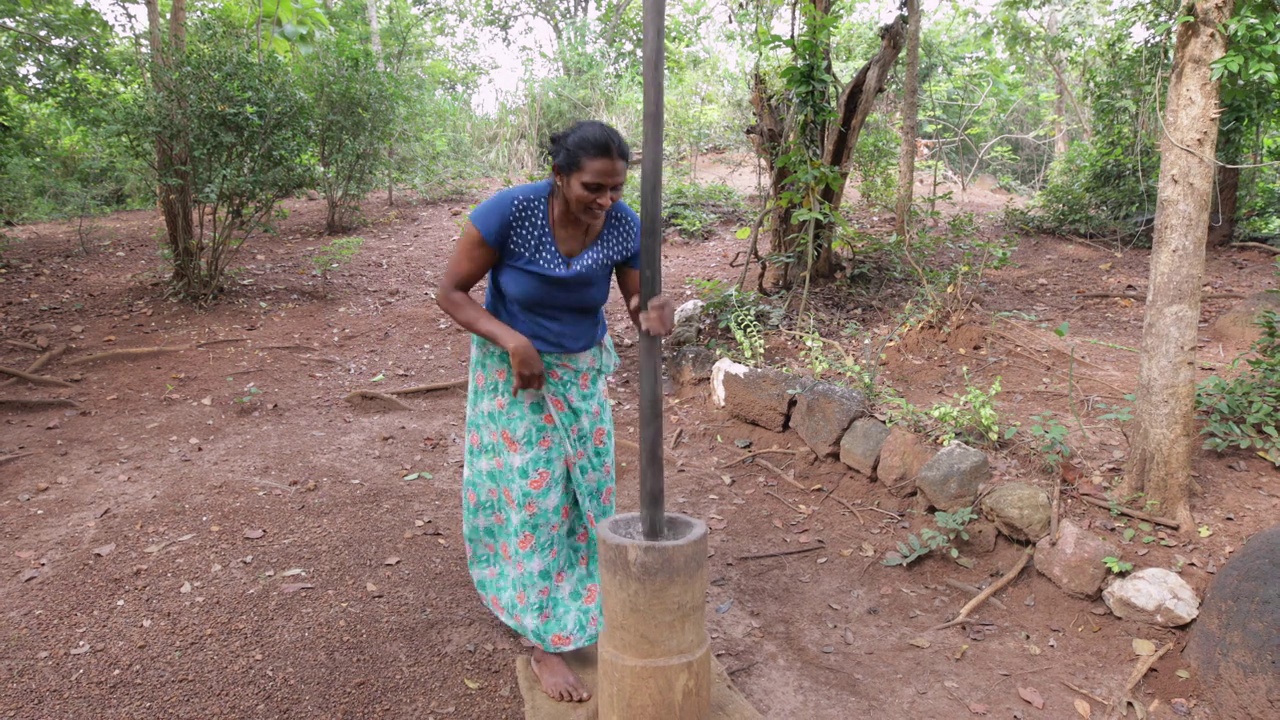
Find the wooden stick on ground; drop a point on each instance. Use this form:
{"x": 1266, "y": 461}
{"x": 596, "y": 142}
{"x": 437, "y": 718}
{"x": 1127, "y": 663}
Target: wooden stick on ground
{"x": 14, "y": 456}
{"x": 855, "y": 508}
{"x": 54, "y": 352}
{"x": 783, "y": 553}
{"x": 785, "y": 502}
{"x": 1125, "y": 698}
{"x": 37, "y": 379}
{"x": 788, "y": 478}
{"x": 24, "y": 345}
{"x": 38, "y": 402}
{"x": 992, "y": 589}
{"x": 748, "y": 456}
{"x": 1155, "y": 519}
{"x": 1256, "y": 246}
{"x": 432, "y": 387}
{"x": 219, "y": 341}
{"x": 127, "y": 352}
{"x": 965, "y": 587}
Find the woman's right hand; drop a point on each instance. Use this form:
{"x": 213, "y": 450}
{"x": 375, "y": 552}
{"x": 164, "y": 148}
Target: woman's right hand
{"x": 526, "y": 365}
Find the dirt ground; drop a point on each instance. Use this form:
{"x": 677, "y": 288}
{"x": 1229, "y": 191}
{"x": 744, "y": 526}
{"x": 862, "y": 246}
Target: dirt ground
{"x": 213, "y": 532}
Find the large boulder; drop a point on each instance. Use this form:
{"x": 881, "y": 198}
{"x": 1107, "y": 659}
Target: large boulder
{"x": 762, "y": 397}
{"x": 823, "y": 414}
{"x": 1234, "y": 647}
{"x": 1074, "y": 562}
{"x": 860, "y": 447}
{"x": 1019, "y": 510}
{"x": 950, "y": 480}
{"x": 902, "y": 456}
{"x": 1154, "y": 596}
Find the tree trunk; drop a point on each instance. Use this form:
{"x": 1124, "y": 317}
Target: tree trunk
{"x": 1164, "y": 441}
{"x": 1060, "y": 95}
{"x": 771, "y": 131}
{"x": 375, "y": 37}
{"x": 172, "y": 152}
{"x": 910, "y": 121}
{"x": 1222, "y": 223}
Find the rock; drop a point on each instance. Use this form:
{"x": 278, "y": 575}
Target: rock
{"x": 690, "y": 312}
{"x": 901, "y": 458}
{"x": 1019, "y": 510}
{"x": 688, "y": 324}
{"x": 1074, "y": 563}
{"x": 312, "y": 195}
{"x": 982, "y": 538}
{"x": 760, "y": 397}
{"x": 1154, "y": 596}
{"x": 860, "y": 447}
{"x": 1234, "y": 662}
{"x": 950, "y": 480}
{"x": 692, "y": 365}
{"x": 823, "y": 415}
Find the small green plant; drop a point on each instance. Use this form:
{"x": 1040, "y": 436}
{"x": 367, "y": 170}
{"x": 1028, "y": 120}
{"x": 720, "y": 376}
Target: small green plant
{"x": 1244, "y": 411}
{"x": 253, "y": 393}
{"x": 1051, "y": 439}
{"x": 747, "y": 332}
{"x": 739, "y": 312}
{"x": 1118, "y": 413}
{"x": 692, "y": 208}
{"x": 336, "y": 253}
{"x": 949, "y": 527}
{"x": 1116, "y": 565}
{"x": 971, "y": 417}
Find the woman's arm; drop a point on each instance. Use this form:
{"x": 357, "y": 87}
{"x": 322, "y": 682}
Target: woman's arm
{"x": 471, "y": 261}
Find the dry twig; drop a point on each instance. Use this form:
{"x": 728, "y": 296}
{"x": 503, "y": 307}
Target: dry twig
{"x": 37, "y": 379}
{"x": 1154, "y": 519}
{"x": 127, "y": 352}
{"x": 992, "y": 589}
{"x": 748, "y": 456}
{"x": 38, "y": 402}
{"x": 54, "y": 352}
{"x": 14, "y": 456}
{"x": 783, "y": 553}
{"x": 431, "y": 387}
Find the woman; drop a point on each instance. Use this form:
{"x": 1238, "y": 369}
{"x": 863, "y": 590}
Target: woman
{"x": 538, "y": 471}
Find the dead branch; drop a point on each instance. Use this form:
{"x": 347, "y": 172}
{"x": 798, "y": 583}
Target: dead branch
{"x": 290, "y": 347}
{"x": 37, "y": 379}
{"x": 432, "y": 387}
{"x": 1257, "y": 246}
{"x": 1154, "y": 519}
{"x": 38, "y": 402}
{"x": 1086, "y": 693}
{"x": 358, "y": 396}
{"x": 748, "y": 456}
{"x": 219, "y": 341}
{"x": 127, "y": 352}
{"x": 855, "y": 508}
{"x": 992, "y": 589}
{"x": 965, "y": 587}
{"x": 24, "y": 345}
{"x": 1143, "y": 298}
{"x": 1125, "y": 698}
{"x": 54, "y": 352}
{"x": 14, "y": 456}
{"x": 783, "y": 553}
{"x": 785, "y": 502}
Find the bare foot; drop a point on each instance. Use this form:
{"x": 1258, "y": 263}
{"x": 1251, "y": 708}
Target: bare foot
{"x": 558, "y": 681}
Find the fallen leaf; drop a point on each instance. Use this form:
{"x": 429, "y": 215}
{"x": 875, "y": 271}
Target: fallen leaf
{"x": 295, "y": 587}
{"x": 418, "y": 523}
{"x": 717, "y": 523}
{"x": 1184, "y": 674}
{"x": 80, "y": 649}
{"x": 979, "y": 709}
{"x": 207, "y": 401}
{"x": 29, "y": 575}
{"x": 1034, "y": 649}
{"x": 292, "y": 571}
{"x": 156, "y": 548}
{"x": 254, "y": 534}
{"x": 411, "y": 476}
{"x": 186, "y": 587}
{"x": 24, "y": 554}
{"x": 473, "y": 684}
{"x": 1143, "y": 648}
{"x": 1204, "y": 531}
{"x": 868, "y": 550}
{"x": 105, "y": 550}
{"x": 919, "y": 642}
{"x": 1084, "y": 708}
{"x": 393, "y": 560}
{"x": 1032, "y": 696}
{"x": 960, "y": 653}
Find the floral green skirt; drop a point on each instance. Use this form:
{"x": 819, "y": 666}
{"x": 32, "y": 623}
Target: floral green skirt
{"x": 538, "y": 477}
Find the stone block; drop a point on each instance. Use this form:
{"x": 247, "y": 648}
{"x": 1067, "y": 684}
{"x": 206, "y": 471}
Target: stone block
{"x": 860, "y": 446}
{"x": 1020, "y": 511}
{"x": 692, "y": 365}
{"x": 901, "y": 457}
{"x": 762, "y": 397}
{"x": 950, "y": 480}
{"x": 1074, "y": 563}
{"x": 823, "y": 414}
{"x": 1154, "y": 596}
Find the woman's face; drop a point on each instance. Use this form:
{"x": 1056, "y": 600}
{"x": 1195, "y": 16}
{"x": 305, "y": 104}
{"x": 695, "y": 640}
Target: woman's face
{"x": 594, "y": 188}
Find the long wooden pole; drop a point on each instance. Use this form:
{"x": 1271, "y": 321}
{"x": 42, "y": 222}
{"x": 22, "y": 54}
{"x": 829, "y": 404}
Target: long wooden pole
{"x": 652, "y": 517}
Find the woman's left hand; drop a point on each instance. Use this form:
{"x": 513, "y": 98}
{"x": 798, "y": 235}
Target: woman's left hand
{"x": 659, "y": 319}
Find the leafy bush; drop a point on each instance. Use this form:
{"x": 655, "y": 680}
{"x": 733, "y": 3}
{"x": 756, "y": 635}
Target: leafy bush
{"x": 741, "y": 313}
{"x": 972, "y": 417}
{"x": 692, "y": 208}
{"x": 1244, "y": 411}
{"x": 949, "y": 527}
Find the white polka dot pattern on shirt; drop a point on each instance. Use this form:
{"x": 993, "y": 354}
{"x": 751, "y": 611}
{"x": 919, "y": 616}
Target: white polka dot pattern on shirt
{"x": 530, "y": 236}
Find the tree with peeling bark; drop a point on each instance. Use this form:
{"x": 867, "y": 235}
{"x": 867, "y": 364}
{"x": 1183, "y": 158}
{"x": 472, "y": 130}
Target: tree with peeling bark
{"x": 1165, "y": 441}
{"x": 807, "y": 141}
{"x": 910, "y": 121}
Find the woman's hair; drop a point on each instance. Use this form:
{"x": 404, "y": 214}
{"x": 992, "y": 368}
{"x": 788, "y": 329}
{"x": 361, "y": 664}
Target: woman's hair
{"x": 586, "y": 140}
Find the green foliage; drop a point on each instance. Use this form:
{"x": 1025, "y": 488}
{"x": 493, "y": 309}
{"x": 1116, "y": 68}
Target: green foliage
{"x": 353, "y": 108}
{"x": 335, "y": 254}
{"x": 690, "y": 207}
{"x": 1118, "y": 413}
{"x": 972, "y": 417}
{"x": 740, "y": 314}
{"x": 1244, "y": 411}
{"x": 237, "y": 127}
{"x": 1051, "y": 439}
{"x": 1116, "y": 565}
{"x": 949, "y": 527}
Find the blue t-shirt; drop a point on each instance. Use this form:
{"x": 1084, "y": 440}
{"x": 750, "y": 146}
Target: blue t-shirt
{"x": 556, "y": 302}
